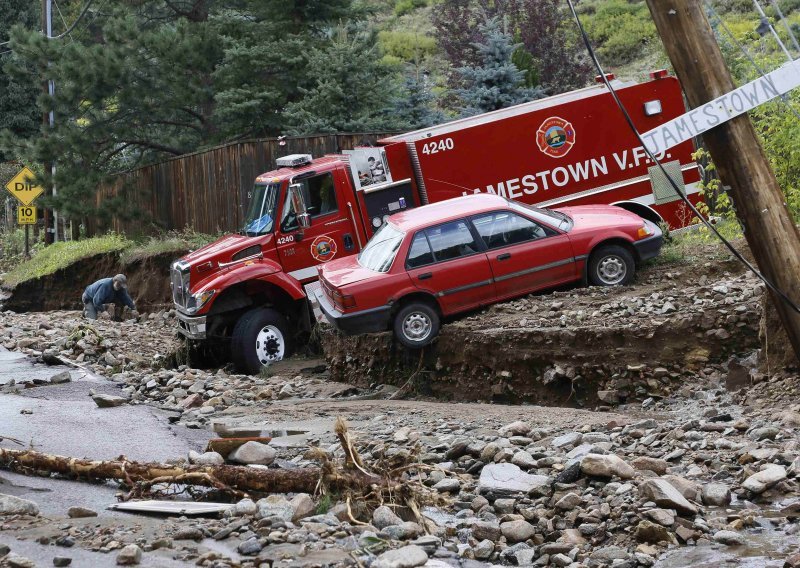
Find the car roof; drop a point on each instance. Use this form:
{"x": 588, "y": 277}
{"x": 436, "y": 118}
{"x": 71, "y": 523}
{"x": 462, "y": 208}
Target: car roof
{"x": 446, "y": 211}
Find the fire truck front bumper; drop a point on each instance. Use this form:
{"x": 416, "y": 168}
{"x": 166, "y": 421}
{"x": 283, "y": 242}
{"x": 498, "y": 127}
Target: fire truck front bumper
{"x": 191, "y": 327}
{"x": 651, "y": 246}
{"x": 365, "y": 321}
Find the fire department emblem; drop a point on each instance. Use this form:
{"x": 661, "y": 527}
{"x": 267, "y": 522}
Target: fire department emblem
{"x": 555, "y": 137}
{"x": 323, "y": 248}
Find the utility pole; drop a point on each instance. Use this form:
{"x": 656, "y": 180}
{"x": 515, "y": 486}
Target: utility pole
{"x": 49, "y": 120}
{"x": 769, "y": 229}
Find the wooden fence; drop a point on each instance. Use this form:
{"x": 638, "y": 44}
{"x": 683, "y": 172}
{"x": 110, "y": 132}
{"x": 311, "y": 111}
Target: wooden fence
{"x": 206, "y": 191}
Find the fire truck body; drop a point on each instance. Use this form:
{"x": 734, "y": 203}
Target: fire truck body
{"x": 246, "y": 295}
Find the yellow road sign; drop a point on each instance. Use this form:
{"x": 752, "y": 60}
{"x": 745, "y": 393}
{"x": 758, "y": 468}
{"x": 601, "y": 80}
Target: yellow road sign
{"x": 26, "y": 215}
{"x": 22, "y": 187}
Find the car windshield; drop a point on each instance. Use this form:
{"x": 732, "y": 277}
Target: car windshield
{"x": 381, "y": 249}
{"x": 547, "y": 216}
{"x": 260, "y": 218}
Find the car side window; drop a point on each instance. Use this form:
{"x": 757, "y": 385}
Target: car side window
{"x": 451, "y": 240}
{"x": 320, "y": 197}
{"x": 419, "y": 253}
{"x": 503, "y": 228}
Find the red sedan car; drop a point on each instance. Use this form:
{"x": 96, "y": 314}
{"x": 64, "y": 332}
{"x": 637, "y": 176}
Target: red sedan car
{"x": 438, "y": 260}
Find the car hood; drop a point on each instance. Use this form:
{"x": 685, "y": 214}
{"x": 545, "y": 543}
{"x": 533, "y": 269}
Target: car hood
{"x": 344, "y": 271}
{"x": 590, "y": 216}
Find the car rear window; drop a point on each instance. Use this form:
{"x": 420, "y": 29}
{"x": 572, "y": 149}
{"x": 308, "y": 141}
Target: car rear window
{"x": 381, "y": 249}
{"x": 451, "y": 240}
{"x": 419, "y": 254}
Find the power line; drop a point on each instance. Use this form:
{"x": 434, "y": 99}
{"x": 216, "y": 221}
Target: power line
{"x": 786, "y": 24}
{"x": 672, "y": 182}
{"x": 783, "y": 98}
{"x": 77, "y": 20}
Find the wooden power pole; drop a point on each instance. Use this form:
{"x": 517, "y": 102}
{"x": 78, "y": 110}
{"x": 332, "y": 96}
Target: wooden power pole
{"x": 768, "y": 226}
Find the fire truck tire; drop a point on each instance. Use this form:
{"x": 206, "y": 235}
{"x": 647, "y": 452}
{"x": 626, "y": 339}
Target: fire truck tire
{"x": 611, "y": 265}
{"x": 416, "y": 325}
{"x": 260, "y": 337}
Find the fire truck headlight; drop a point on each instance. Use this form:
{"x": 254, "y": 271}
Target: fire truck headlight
{"x": 652, "y": 108}
{"x": 202, "y": 298}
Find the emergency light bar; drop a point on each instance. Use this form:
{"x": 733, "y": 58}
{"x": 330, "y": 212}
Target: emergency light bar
{"x": 293, "y": 160}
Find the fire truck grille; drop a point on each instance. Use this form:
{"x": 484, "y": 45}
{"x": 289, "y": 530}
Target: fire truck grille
{"x": 179, "y": 280}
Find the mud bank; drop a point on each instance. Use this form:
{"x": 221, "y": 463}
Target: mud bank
{"x": 148, "y": 281}
{"x": 581, "y": 347}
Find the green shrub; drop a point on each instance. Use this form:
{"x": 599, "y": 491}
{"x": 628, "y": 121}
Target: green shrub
{"x": 409, "y": 47}
{"x": 621, "y": 29}
{"x": 403, "y": 7}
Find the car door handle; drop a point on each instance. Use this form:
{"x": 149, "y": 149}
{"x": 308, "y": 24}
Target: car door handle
{"x": 425, "y": 276}
{"x": 504, "y": 256}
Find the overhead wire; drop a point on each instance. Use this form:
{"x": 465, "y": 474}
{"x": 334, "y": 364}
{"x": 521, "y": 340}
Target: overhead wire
{"x": 760, "y": 70}
{"x": 77, "y": 20}
{"x": 777, "y": 9}
{"x": 612, "y": 91}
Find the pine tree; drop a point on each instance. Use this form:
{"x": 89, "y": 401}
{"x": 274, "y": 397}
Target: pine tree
{"x": 495, "y": 82}
{"x": 350, "y": 89}
{"x": 415, "y": 106}
{"x": 18, "y": 111}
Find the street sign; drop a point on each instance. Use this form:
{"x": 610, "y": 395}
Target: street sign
{"x": 26, "y": 215}
{"x": 22, "y": 187}
{"x": 724, "y": 108}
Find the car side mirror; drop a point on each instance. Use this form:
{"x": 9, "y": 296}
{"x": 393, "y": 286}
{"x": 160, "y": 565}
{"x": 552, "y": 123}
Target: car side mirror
{"x": 299, "y": 205}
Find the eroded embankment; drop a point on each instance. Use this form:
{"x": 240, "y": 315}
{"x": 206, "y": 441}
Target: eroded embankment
{"x": 148, "y": 283}
{"x": 583, "y": 346}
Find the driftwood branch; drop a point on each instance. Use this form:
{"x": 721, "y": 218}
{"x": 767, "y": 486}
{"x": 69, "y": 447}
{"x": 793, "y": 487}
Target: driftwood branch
{"x": 240, "y": 478}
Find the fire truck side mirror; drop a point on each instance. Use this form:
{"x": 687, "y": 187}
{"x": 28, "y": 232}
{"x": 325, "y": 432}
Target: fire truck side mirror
{"x": 299, "y": 205}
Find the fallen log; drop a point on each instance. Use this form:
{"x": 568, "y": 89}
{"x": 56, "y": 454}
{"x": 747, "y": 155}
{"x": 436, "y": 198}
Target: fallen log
{"x": 231, "y": 477}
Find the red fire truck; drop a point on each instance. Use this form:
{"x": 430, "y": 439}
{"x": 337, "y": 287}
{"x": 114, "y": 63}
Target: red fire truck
{"x": 248, "y": 294}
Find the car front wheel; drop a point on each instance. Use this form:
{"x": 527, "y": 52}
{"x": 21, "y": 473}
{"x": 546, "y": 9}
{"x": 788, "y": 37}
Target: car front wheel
{"x": 611, "y": 265}
{"x": 416, "y": 325}
{"x": 260, "y": 338}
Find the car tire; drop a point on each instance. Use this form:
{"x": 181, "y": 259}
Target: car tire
{"x": 260, "y": 337}
{"x": 416, "y": 325}
{"x": 611, "y": 265}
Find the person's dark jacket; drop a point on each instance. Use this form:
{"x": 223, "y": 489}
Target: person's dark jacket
{"x": 102, "y": 292}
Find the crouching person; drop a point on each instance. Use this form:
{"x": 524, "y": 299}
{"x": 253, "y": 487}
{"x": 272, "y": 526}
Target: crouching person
{"x": 107, "y": 291}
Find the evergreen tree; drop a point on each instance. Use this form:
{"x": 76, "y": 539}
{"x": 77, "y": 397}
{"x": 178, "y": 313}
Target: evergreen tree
{"x": 18, "y": 111}
{"x": 350, "y": 87}
{"x": 495, "y": 82}
{"x": 549, "y": 52}
{"x": 415, "y": 107}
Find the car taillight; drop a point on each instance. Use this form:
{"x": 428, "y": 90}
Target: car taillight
{"x": 343, "y": 300}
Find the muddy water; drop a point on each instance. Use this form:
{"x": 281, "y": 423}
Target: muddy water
{"x": 768, "y": 543}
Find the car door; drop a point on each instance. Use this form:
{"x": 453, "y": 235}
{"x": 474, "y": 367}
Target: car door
{"x": 331, "y": 234}
{"x": 524, "y": 255}
{"x": 448, "y": 262}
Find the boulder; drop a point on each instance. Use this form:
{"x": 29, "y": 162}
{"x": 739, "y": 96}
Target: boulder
{"x": 505, "y": 479}
{"x": 129, "y": 555}
{"x": 108, "y": 400}
{"x": 384, "y": 517}
{"x": 665, "y": 495}
{"x": 606, "y": 465}
{"x": 517, "y": 531}
{"x": 764, "y": 479}
{"x": 275, "y": 506}
{"x": 653, "y": 533}
{"x": 253, "y": 453}
{"x": 11, "y": 505}
{"x": 655, "y": 465}
{"x": 716, "y": 494}
{"x": 405, "y": 557}
{"x": 731, "y": 538}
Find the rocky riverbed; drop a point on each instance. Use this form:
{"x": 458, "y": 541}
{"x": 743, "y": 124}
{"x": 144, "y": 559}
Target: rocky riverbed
{"x": 674, "y": 463}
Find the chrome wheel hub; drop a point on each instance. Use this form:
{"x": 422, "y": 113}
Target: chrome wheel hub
{"x": 417, "y": 326}
{"x": 611, "y": 270}
{"x": 270, "y": 345}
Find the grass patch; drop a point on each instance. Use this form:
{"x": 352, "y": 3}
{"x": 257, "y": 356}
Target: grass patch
{"x": 62, "y": 254}
{"x": 170, "y": 243}
{"x": 698, "y": 244}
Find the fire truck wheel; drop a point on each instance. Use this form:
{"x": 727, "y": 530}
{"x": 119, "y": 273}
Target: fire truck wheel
{"x": 416, "y": 325}
{"x": 260, "y": 337}
{"x": 611, "y": 265}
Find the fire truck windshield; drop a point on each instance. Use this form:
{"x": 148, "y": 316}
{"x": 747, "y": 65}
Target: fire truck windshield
{"x": 260, "y": 218}
{"x": 381, "y": 249}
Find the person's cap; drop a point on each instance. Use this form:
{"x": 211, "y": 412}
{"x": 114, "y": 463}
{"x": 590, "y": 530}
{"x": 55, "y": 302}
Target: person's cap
{"x": 121, "y": 280}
